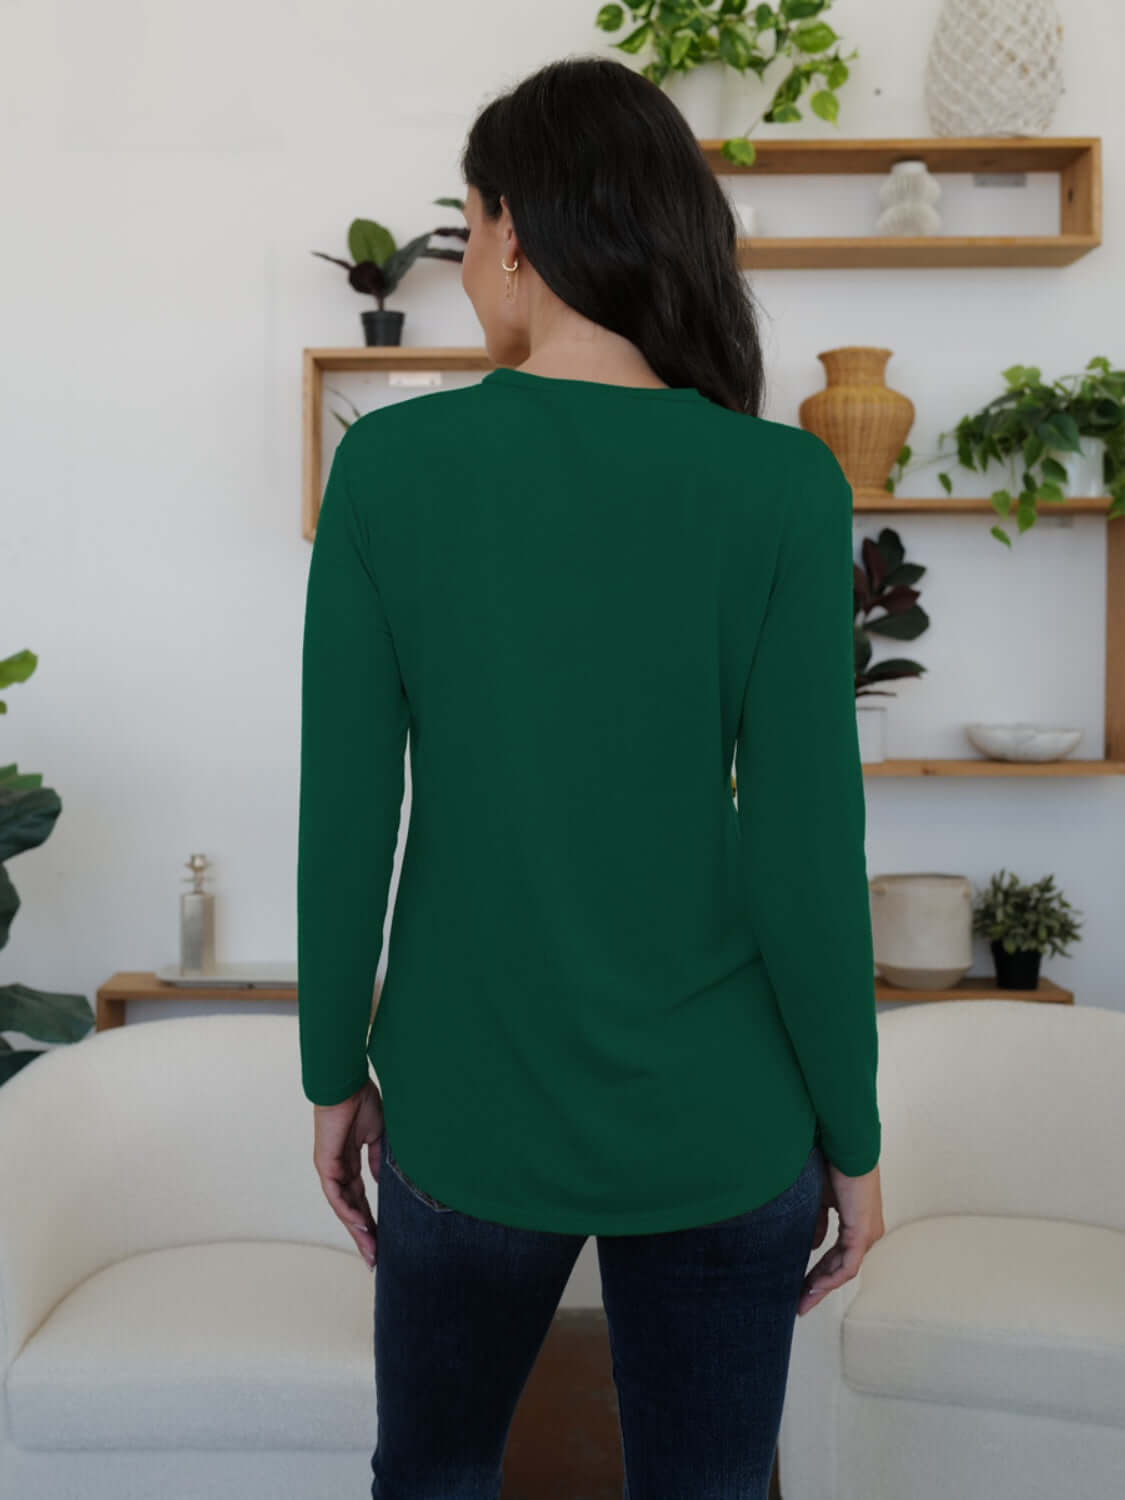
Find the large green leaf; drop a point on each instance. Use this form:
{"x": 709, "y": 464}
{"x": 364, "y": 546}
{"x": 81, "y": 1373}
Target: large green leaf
{"x": 894, "y": 666}
{"x": 17, "y": 667}
{"x": 403, "y": 258}
{"x": 816, "y": 37}
{"x": 905, "y": 626}
{"x": 46, "y": 1016}
{"x": 27, "y": 816}
{"x": 9, "y": 905}
{"x": 368, "y": 240}
{"x": 13, "y": 1059}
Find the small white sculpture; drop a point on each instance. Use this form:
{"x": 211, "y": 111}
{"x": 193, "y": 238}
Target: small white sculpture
{"x": 908, "y": 196}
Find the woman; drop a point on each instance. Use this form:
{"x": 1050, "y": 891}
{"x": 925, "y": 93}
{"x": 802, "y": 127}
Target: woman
{"x": 616, "y": 1003}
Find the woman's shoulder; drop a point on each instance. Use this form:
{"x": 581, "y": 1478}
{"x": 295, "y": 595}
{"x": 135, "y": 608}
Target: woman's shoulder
{"x": 429, "y": 409}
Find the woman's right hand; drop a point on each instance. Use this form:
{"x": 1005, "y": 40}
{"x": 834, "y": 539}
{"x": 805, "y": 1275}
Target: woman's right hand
{"x": 859, "y": 1203}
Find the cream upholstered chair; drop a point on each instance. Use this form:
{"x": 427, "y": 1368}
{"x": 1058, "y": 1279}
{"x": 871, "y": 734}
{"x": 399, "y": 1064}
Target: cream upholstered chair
{"x": 980, "y": 1352}
{"x": 181, "y": 1314}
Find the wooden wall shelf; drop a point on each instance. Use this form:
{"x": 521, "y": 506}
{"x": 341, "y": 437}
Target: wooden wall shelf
{"x": 976, "y": 987}
{"x": 373, "y": 359}
{"x": 875, "y": 502}
{"x": 972, "y": 765}
{"x": 405, "y": 358}
{"x": 969, "y": 505}
{"x": 1076, "y": 159}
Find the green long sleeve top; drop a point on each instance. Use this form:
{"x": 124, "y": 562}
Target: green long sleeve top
{"x": 617, "y": 999}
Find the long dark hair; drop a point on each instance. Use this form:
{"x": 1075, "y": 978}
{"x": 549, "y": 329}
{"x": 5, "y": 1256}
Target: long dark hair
{"x": 619, "y": 212}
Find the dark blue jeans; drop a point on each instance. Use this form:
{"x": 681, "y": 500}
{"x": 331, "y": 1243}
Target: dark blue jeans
{"x": 700, "y": 1324}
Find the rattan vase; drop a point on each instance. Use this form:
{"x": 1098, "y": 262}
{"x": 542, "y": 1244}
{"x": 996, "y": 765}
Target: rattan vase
{"x": 862, "y": 420}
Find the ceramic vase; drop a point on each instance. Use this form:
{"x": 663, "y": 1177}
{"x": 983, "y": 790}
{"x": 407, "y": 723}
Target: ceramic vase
{"x": 862, "y": 420}
{"x": 994, "y": 67}
{"x": 922, "y": 929}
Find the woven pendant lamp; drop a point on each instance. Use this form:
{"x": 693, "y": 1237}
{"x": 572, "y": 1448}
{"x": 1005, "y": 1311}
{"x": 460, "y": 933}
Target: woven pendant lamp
{"x": 994, "y": 67}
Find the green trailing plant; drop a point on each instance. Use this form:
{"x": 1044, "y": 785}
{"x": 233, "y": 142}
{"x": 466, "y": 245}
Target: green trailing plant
{"x": 1025, "y": 918}
{"x": 378, "y": 265}
{"x": 28, "y": 811}
{"x": 687, "y": 34}
{"x": 884, "y": 581}
{"x": 1025, "y": 426}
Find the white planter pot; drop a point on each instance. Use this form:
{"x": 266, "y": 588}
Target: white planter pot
{"x": 1084, "y": 469}
{"x": 871, "y": 721}
{"x": 698, "y": 96}
{"x": 1083, "y": 474}
{"x": 922, "y": 929}
{"x": 746, "y": 215}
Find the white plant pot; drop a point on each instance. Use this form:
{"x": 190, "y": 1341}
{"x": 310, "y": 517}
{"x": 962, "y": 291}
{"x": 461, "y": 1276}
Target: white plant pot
{"x": 747, "y": 217}
{"x": 697, "y": 94}
{"x": 922, "y": 929}
{"x": 1083, "y": 474}
{"x": 1084, "y": 469}
{"x": 871, "y": 721}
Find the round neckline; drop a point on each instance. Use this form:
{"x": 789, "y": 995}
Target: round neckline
{"x": 509, "y": 375}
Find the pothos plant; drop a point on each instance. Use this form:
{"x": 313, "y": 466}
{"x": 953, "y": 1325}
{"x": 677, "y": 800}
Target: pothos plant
{"x": 684, "y": 34}
{"x": 884, "y": 581}
{"x": 1025, "y": 426}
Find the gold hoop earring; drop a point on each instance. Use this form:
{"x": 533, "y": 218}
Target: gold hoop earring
{"x": 510, "y": 280}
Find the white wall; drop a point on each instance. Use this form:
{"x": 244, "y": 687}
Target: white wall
{"x": 168, "y": 169}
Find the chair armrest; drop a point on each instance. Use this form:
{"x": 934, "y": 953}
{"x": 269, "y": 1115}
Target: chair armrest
{"x": 43, "y": 1249}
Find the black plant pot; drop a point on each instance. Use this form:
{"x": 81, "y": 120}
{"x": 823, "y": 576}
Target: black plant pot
{"x": 1018, "y": 970}
{"x": 382, "y": 326}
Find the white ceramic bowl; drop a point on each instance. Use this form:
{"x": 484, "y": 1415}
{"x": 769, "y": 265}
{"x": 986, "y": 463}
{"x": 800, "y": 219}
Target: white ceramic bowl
{"x": 1022, "y": 741}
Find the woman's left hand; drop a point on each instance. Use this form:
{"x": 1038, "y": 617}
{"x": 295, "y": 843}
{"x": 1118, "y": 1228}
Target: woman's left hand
{"x": 340, "y": 1133}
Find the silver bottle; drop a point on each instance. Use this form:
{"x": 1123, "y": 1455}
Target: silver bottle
{"x": 197, "y": 921}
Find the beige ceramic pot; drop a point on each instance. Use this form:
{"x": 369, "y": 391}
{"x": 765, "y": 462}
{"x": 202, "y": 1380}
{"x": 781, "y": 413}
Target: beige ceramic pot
{"x": 861, "y": 419}
{"x": 922, "y": 929}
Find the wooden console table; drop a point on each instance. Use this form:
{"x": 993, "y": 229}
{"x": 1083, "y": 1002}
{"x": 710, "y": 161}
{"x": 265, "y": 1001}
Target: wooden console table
{"x": 132, "y": 984}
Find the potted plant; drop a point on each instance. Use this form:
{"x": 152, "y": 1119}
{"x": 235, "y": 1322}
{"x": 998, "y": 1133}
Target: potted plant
{"x": 28, "y": 811}
{"x": 883, "y": 582}
{"x": 378, "y": 266}
{"x": 686, "y": 36}
{"x": 345, "y": 422}
{"x": 1022, "y": 922}
{"x": 1080, "y": 416}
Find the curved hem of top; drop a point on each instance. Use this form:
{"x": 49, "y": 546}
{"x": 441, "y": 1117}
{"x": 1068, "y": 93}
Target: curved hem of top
{"x": 725, "y": 1206}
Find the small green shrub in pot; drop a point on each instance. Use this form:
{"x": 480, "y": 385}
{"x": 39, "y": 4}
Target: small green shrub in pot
{"x": 1022, "y": 922}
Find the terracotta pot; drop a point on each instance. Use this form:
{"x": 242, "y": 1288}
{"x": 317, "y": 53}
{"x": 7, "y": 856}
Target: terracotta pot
{"x": 861, "y": 419}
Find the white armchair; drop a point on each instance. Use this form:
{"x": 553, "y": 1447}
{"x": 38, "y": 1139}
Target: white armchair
{"x": 181, "y": 1314}
{"x": 980, "y": 1352}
